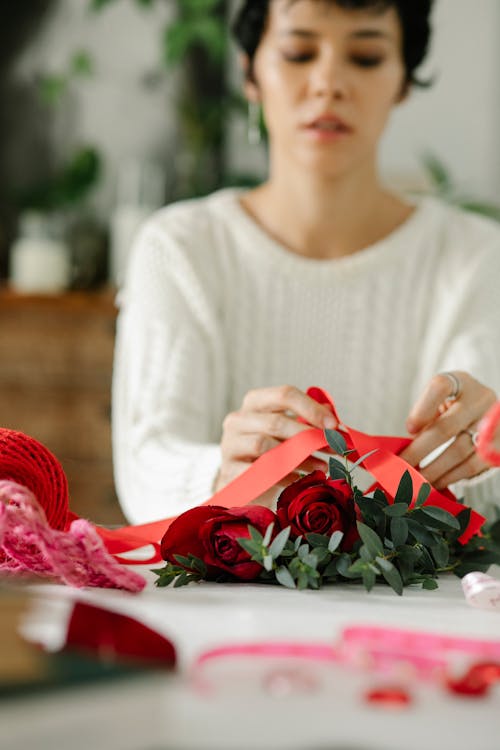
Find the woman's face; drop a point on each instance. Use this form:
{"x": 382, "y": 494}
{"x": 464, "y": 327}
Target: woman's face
{"x": 327, "y": 79}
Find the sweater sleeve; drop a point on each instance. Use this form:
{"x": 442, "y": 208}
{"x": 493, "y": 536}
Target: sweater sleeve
{"x": 168, "y": 381}
{"x": 466, "y": 310}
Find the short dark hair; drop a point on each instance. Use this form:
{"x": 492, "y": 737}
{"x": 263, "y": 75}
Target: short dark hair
{"x": 414, "y": 15}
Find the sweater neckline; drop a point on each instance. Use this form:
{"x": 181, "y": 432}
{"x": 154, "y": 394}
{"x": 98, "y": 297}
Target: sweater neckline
{"x": 261, "y": 243}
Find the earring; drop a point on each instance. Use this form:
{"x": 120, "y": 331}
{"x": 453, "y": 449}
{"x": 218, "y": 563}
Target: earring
{"x": 254, "y": 134}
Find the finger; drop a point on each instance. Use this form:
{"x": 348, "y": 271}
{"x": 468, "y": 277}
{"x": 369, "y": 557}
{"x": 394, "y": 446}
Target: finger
{"x": 447, "y": 426}
{"x": 458, "y": 452}
{"x": 471, "y": 467}
{"x": 248, "y": 447}
{"x": 427, "y": 407}
{"x": 275, "y": 424}
{"x": 288, "y": 398}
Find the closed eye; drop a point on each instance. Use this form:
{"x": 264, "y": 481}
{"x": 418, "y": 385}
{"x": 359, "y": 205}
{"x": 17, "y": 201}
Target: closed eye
{"x": 364, "y": 61}
{"x": 299, "y": 57}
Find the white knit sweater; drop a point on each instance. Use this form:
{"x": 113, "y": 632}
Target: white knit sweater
{"x": 213, "y": 307}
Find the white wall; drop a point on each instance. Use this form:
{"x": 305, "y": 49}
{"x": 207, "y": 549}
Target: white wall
{"x": 459, "y": 117}
{"x": 127, "y": 107}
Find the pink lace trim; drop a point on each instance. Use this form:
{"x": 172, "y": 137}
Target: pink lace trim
{"x": 76, "y": 557}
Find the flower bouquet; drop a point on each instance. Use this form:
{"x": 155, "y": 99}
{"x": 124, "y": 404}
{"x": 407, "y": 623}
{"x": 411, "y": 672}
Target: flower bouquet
{"x": 326, "y": 530}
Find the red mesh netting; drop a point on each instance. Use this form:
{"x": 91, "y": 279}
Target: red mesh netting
{"x": 26, "y": 461}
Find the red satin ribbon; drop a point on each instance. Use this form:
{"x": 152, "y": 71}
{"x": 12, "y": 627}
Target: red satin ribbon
{"x": 385, "y": 465}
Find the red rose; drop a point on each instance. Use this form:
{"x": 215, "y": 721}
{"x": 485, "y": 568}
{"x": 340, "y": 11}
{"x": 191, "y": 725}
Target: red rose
{"x": 211, "y": 532}
{"x": 315, "y": 504}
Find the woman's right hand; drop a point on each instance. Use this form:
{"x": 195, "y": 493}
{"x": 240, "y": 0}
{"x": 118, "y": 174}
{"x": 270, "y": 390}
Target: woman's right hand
{"x": 267, "y": 417}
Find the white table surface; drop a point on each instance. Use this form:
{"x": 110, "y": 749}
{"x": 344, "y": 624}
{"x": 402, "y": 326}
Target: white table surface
{"x": 238, "y": 712}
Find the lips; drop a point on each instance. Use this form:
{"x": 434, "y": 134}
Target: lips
{"x": 328, "y": 124}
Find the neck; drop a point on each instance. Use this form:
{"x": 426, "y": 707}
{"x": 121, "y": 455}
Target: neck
{"x": 325, "y": 217}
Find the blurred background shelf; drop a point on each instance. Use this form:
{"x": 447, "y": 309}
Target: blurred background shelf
{"x": 55, "y": 379}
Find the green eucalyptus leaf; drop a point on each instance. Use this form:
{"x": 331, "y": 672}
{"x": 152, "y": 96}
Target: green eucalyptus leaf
{"x": 369, "y": 578}
{"x": 267, "y": 562}
{"x": 343, "y": 565}
{"x": 182, "y": 580}
{"x": 317, "y": 540}
{"x": 268, "y": 534}
{"x": 284, "y": 577}
{"x": 430, "y": 584}
{"x": 322, "y": 554}
{"x": 420, "y": 533}
{"x": 396, "y": 510}
{"x": 336, "y": 441}
{"x": 335, "y": 540}
{"x": 441, "y": 553}
{"x": 337, "y": 470}
{"x": 441, "y": 516}
{"x": 303, "y": 551}
{"x": 302, "y": 580}
{"x": 380, "y": 498}
{"x": 404, "y": 493}
{"x": 423, "y": 494}
{"x": 371, "y": 539}
{"x": 279, "y": 542}
{"x": 250, "y": 546}
{"x": 363, "y": 458}
{"x": 331, "y": 569}
{"x": 365, "y": 554}
{"x": 399, "y": 531}
{"x": 391, "y": 575}
{"x": 255, "y": 535}
{"x": 355, "y": 570}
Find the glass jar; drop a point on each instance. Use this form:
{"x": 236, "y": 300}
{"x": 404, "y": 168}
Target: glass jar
{"x": 39, "y": 257}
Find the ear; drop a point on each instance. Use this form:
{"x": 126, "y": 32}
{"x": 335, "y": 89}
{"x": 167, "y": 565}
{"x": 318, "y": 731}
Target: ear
{"x": 250, "y": 87}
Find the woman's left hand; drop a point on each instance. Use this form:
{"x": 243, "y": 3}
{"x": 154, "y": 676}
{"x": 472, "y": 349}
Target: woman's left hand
{"x": 451, "y": 406}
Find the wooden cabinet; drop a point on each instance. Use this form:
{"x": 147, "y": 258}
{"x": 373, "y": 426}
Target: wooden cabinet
{"x": 56, "y": 356}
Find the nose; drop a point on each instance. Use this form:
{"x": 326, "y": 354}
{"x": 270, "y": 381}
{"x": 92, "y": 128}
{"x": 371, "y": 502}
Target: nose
{"x": 329, "y": 78}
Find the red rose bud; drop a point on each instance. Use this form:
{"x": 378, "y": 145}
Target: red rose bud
{"x": 316, "y": 504}
{"x": 219, "y": 536}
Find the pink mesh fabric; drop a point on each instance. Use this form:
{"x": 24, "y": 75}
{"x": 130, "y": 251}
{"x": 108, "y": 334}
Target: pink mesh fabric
{"x": 77, "y": 557}
{"x": 26, "y": 461}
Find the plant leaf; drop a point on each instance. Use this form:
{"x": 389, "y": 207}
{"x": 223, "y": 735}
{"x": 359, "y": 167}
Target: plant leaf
{"x": 430, "y": 584}
{"x": 255, "y": 535}
{"x": 284, "y": 577}
{"x": 423, "y": 494}
{"x": 420, "y": 533}
{"x": 279, "y": 542}
{"x": 371, "y": 539}
{"x": 363, "y": 458}
{"x": 337, "y": 470}
{"x": 335, "y": 540}
{"x": 369, "y": 577}
{"x": 268, "y": 534}
{"x": 391, "y": 575}
{"x": 440, "y": 515}
{"x": 396, "y": 510}
{"x": 267, "y": 562}
{"x": 404, "y": 492}
{"x": 399, "y": 531}
{"x": 336, "y": 441}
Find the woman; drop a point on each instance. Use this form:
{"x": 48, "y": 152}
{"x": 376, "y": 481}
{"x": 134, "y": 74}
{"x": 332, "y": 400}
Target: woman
{"x": 236, "y": 303}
